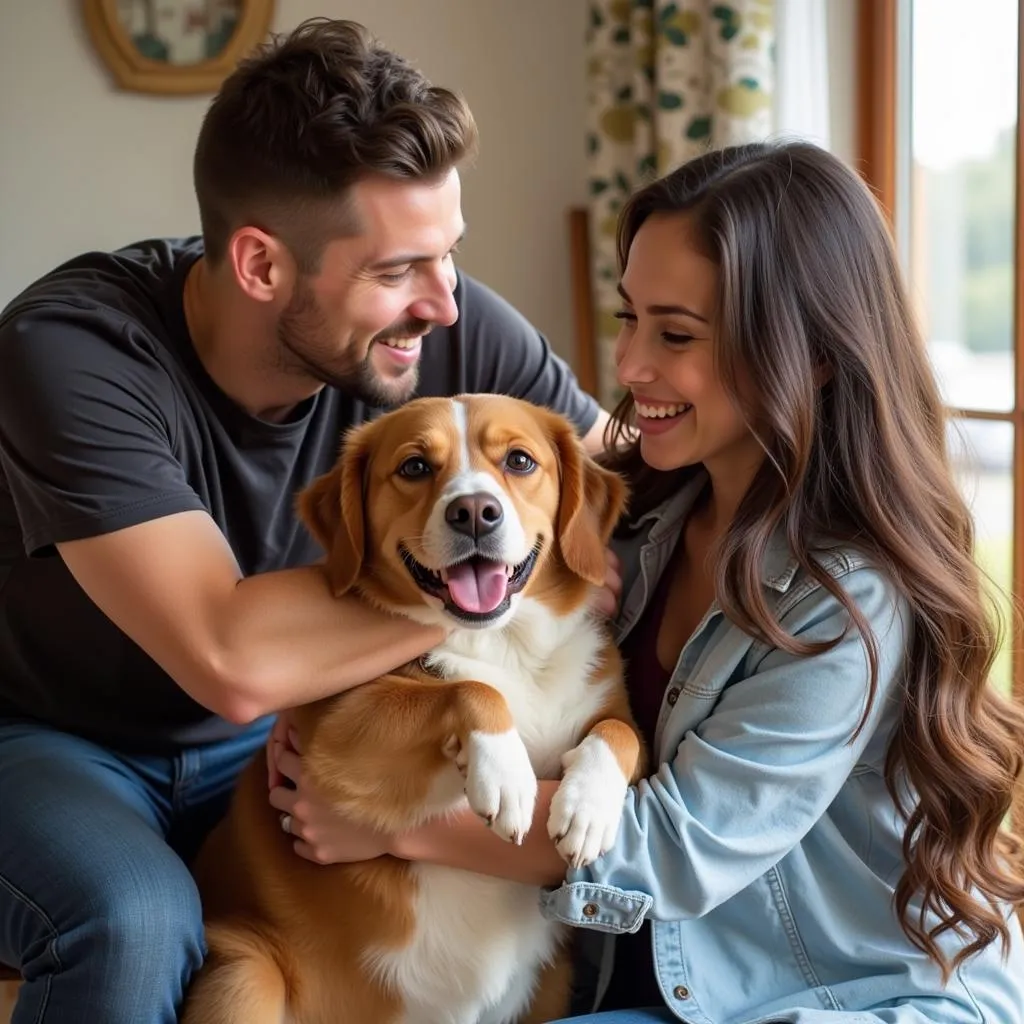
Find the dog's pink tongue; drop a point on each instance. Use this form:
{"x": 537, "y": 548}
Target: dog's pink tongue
{"x": 477, "y": 586}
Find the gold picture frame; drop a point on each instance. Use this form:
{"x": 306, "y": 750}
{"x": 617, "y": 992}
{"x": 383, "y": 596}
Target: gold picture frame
{"x": 127, "y": 35}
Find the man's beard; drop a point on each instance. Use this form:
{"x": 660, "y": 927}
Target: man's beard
{"x": 303, "y": 332}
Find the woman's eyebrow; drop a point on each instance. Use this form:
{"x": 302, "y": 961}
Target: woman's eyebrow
{"x": 664, "y": 310}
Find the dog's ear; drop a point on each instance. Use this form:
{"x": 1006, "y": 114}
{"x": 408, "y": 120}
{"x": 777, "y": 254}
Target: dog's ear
{"x": 332, "y": 509}
{"x": 592, "y": 500}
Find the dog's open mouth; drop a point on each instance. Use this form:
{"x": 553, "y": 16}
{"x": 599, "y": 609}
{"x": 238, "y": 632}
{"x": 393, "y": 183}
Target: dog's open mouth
{"x": 476, "y": 589}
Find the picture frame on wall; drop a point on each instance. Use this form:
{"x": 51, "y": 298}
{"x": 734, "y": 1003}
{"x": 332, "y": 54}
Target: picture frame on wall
{"x": 175, "y": 47}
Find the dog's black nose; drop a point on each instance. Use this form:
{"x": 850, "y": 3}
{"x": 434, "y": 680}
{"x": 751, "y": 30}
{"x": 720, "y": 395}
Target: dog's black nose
{"x": 474, "y": 514}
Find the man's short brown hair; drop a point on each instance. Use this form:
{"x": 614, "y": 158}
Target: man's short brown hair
{"x": 302, "y": 120}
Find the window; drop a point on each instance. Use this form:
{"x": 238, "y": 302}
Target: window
{"x": 939, "y": 94}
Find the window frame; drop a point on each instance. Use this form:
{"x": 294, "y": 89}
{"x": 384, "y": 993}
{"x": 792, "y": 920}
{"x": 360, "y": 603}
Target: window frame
{"x": 882, "y": 25}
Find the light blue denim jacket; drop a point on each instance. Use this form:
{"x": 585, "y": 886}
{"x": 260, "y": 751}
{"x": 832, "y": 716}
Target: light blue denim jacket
{"x": 766, "y": 848}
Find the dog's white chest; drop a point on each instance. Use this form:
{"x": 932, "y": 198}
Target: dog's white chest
{"x": 479, "y": 942}
{"x": 475, "y": 953}
{"x": 543, "y": 667}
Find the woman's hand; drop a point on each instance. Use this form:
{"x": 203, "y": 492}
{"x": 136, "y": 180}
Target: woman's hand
{"x": 321, "y": 834}
{"x": 460, "y": 839}
{"x": 606, "y": 599}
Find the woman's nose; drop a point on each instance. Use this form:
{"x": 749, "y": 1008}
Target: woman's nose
{"x": 631, "y": 363}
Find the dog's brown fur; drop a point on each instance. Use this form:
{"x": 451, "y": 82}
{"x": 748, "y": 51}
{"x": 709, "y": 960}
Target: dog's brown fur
{"x": 287, "y": 937}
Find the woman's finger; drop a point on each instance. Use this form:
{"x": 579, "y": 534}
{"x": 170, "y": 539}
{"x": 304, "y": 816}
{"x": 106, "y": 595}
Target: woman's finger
{"x": 613, "y": 573}
{"x": 278, "y": 738}
{"x": 303, "y": 849}
{"x": 284, "y": 799}
{"x": 273, "y": 775}
{"x": 613, "y": 559}
{"x": 289, "y": 764}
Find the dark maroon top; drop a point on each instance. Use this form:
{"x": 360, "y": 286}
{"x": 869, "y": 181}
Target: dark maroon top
{"x": 633, "y": 983}
{"x": 646, "y": 678}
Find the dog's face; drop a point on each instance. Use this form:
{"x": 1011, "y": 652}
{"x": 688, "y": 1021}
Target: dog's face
{"x": 452, "y": 509}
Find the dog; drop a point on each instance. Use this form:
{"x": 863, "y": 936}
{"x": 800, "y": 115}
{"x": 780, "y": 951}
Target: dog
{"x": 482, "y": 513}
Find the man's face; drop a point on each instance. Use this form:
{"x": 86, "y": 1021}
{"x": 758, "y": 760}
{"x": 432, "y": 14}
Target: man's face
{"x": 358, "y": 323}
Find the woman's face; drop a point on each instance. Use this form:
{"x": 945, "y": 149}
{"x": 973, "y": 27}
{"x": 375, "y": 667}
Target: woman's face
{"x": 665, "y": 355}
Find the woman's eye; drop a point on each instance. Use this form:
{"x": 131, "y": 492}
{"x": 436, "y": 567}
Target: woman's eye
{"x": 414, "y": 467}
{"x": 624, "y": 314}
{"x": 518, "y": 461}
{"x": 676, "y": 339}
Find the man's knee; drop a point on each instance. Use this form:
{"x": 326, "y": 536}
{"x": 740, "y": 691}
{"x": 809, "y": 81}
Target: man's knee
{"x": 152, "y": 914}
{"x": 126, "y": 952}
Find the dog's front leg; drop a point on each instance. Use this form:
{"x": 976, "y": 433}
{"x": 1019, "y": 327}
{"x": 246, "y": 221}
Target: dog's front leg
{"x": 385, "y": 753}
{"x": 483, "y": 743}
{"x": 587, "y": 806}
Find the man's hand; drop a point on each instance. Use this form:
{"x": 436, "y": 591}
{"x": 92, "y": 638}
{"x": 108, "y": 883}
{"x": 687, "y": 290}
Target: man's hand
{"x": 606, "y": 599}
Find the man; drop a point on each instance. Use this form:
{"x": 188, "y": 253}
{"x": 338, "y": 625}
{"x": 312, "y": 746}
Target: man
{"x": 159, "y": 409}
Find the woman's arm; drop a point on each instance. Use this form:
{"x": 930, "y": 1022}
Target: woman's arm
{"x": 747, "y": 783}
{"x": 740, "y": 792}
{"x": 462, "y": 840}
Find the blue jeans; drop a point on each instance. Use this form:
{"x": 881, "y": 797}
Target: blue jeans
{"x": 97, "y": 906}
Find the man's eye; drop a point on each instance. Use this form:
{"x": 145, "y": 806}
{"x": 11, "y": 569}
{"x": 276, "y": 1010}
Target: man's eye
{"x": 518, "y": 461}
{"x": 414, "y": 467}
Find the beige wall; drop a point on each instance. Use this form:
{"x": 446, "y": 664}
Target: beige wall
{"x": 83, "y": 165}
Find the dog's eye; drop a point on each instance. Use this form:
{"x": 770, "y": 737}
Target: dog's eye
{"x": 517, "y": 461}
{"x": 414, "y": 467}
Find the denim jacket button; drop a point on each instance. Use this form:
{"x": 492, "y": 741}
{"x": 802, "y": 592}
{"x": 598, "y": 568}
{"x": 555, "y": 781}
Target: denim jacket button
{"x": 590, "y": 909}
{"x": 673, "y": 696}
{"x": 681, "y": 992}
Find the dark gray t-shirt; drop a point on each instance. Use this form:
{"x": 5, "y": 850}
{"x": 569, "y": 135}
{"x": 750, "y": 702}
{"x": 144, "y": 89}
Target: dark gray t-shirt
{"x": 108, "y": 419}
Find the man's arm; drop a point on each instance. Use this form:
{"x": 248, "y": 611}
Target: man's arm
{"x": 593, "y": 439}
{"x": 242, "y": 647}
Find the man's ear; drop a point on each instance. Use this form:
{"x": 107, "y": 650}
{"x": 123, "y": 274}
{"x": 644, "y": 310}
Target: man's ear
{"x": 592, "y": 500}
{"x": 332, "y": 509}
{"x": 264, "y": 268}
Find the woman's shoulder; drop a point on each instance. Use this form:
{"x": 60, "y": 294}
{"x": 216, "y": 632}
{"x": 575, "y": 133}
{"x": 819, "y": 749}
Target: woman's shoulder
{"x": 837, "y": 577}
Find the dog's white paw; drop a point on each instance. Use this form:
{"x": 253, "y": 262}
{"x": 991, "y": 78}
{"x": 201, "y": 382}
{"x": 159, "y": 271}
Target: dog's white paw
{"x": 500, "y": 783}
{"x": 587, "y": 806}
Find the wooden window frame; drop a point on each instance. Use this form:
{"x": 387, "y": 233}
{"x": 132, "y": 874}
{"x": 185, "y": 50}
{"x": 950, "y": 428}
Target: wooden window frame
{"x": 877, "y": 125}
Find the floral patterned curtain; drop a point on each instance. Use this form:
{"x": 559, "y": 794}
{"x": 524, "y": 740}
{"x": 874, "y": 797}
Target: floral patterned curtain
{"x": 666, "y": 81}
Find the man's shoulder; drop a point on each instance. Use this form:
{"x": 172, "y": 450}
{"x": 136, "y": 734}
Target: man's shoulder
{"x": 132, "y": 282}
{"x": 102, "y": 313}
{"x": 480, "y": 306}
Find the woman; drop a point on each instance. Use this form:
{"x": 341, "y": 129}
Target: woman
{"x": 806, "y": 631}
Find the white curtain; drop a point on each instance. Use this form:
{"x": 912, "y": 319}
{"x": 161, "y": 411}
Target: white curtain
{"x": 801, "y": 71}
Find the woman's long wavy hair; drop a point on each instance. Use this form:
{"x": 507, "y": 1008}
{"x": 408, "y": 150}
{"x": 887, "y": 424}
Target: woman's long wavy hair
{"x": 812, "y": 307}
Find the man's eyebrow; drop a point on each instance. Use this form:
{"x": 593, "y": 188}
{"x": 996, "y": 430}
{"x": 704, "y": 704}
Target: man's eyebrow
{"x": 664, "y": 310}
{"x": 404, "y": 259}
